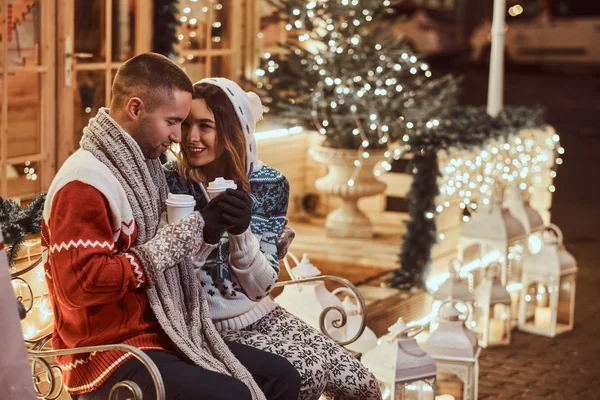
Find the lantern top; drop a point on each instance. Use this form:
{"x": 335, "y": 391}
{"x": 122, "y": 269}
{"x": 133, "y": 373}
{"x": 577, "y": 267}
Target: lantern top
{"x": 550, "y": 261}
{"x": 497, "y": 224}
{"x": 399, "y": 357}
{"x": 530, "y": 219}
{"x": 454, "y": 288}
{"x": 304, "y": 269}
{"x": 452, "y": 340}
{"x": 553, "y": 259}
{"x": 490, "y": 290}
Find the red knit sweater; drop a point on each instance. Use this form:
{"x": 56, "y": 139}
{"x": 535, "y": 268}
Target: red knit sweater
{"x": 95, "y": 285}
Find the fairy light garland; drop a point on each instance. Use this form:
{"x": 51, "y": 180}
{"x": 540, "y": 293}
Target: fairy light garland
{"x": 468, "y": 178}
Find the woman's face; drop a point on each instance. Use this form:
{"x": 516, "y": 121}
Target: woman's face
{"x": 201, "y": 140}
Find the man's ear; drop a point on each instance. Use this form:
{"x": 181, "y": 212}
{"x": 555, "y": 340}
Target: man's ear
{"x": 134, "y": 108}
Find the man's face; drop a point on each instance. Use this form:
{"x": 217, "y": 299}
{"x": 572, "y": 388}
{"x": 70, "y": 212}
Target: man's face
{"x": 161, "y": 127}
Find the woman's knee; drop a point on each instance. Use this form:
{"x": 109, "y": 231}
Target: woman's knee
{"x": 312, "y": 367}
{"x": 350, "y": 379}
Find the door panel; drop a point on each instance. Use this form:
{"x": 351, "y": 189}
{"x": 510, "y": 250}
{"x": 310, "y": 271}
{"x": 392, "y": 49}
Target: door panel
{"x": 95, "y": 38}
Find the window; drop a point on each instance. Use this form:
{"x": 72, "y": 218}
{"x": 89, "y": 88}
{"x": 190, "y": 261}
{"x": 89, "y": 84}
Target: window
{"x": 209, "y": 38}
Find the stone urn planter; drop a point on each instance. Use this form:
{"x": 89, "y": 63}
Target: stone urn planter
{"x": 348, "y": 221}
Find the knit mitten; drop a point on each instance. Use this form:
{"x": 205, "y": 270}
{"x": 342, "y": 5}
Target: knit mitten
{"x": 172, "y": 243}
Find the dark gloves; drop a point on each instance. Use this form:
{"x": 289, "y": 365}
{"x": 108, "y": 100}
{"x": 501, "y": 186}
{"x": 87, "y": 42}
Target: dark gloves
{"x": 237, "y": 210}
{"x": 214, "y": 223}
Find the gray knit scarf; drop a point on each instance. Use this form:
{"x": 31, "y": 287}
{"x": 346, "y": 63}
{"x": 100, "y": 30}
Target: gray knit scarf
{"x": 176, "y": 298}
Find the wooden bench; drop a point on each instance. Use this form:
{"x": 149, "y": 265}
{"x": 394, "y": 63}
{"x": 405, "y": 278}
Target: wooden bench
{"x": 47, "y": 375}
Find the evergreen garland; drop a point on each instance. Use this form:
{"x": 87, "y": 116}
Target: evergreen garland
{"x": 461, "y": 128}
{"x": 420, "y": 234}
{"x": 165, "y": 27}
{"x": 16, "y": 224}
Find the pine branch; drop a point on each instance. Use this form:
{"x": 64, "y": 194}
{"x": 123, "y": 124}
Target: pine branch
{"x": 16, "y": 224}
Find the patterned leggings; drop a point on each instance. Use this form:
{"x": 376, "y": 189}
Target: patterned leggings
{"x": 324, "y": 366}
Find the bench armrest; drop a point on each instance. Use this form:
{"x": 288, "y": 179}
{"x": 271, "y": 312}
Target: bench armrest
{"x": 39, "y": 356}
{"x": 338, "y": 323}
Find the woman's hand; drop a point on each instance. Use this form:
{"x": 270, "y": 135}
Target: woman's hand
{"x": 236, "y": 206}
{"x": 214, "y": 223}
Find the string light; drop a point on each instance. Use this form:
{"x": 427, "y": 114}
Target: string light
{"x": 191, "y": 35}
{"x": 31, "y": 289}
{"x": 520, "y": 158}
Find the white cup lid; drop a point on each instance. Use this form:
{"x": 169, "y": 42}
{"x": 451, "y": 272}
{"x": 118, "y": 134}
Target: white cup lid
{"x": 221, "y": 184}
{"x": 180, "y": 200}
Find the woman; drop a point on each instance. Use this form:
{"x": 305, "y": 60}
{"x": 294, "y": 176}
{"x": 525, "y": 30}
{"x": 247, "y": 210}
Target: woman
{"x": 218, "y": 141}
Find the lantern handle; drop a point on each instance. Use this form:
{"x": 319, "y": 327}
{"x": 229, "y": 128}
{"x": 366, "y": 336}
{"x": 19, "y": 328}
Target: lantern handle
{"x": 496, "y": 268}
{"x": 453, "y": 302}
{"x": 409, "y": 332}
{"x": 455, "y": 265}
{"x": 286, "y": 264}
{"x": 559, "y": 235}
{"x": 348, "y": 291}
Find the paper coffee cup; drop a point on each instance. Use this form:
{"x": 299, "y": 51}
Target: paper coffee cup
{"x": 218, "y": 186}
{"x": 179, "y": 206}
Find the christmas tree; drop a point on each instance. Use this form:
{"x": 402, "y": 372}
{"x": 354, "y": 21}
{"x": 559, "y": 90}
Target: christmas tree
{"x": 343, "y": 74}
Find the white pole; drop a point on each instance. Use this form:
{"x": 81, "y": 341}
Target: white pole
{"x": 496, "y": 78}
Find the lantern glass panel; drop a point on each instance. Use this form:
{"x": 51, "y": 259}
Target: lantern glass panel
{"x": 537, "y": 305}
{"x": 472, "y": 262}
{"x": 477, "y": 324}
{"x": 515, "y": 297}
{"x": 450, "y": 383}
{"x": 514, "y": 263}
{"x": 566, "y": 296}
{"x": 418, "y": 390}
{"x": 499, "y": 324}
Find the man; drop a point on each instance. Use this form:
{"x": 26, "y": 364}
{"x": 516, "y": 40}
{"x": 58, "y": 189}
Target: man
{"x": 114, "y": 277}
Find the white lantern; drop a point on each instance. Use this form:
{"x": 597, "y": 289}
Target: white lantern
{"x": 367, "y": 340}
{"x": 534, "y": 225}
{"x": 406, "y": 371}
{"x": 307, "y": 300}
{"x": 530, "y": 219}
{"x": 547, "y": 303}
{"x": 492, "y": 311}
{"x": 453, "y": 288}
{"x": 455, "y": 351}
{"x": 493, "y": 236}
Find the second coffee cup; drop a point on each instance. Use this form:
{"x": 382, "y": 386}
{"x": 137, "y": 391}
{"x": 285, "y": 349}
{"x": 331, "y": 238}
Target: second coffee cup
{"x": 179, "y": 206}
{"x": 218, "y": 186}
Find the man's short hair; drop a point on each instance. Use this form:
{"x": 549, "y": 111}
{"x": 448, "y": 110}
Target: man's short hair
{"x": 151, "y": 77}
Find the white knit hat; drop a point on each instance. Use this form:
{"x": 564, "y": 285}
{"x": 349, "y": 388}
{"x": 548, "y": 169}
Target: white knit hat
{"x": 249, "y": 110}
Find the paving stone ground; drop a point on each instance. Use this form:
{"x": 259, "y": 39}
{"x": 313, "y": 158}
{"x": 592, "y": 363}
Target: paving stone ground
{"x": 568, "y": 366}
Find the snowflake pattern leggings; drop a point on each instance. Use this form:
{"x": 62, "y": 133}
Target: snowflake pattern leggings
{"x": 324, "y": 366}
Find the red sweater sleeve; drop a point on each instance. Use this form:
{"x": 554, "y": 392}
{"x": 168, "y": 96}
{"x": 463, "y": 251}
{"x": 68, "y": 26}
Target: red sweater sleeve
{"x": 84, "y": 267}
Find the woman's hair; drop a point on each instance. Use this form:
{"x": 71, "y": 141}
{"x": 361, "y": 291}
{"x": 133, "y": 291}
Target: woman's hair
{"x": 230, "y": 142}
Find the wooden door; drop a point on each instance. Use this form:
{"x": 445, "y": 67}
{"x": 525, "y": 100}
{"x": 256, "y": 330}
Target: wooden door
{"x": 27, "y": 97}
{"x": 94, "y": 38}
